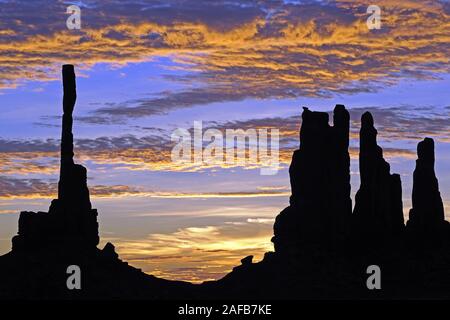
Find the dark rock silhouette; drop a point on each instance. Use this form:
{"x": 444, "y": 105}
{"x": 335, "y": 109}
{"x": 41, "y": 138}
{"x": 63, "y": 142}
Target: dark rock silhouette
{"x": 426, "y": 218}
{"x": 48, "y": 242}
{"x": 71, "y": 220}
{"x": 322, "y": 250}
{"x": 378, "y": 202}
{"x": 320, "y": 204}
{"x": 428, "y": 209}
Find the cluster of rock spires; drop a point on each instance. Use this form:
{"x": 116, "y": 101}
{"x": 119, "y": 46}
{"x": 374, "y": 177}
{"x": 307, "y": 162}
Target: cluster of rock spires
{"x": 320, "y": 211}
{"x": 322, "y": 248}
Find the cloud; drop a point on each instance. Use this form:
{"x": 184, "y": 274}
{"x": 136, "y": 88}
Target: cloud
{"x": 7, "y": 212}
{"x": 204, "y": 195}
{"x": 153, "y": 152}
{"x": 261, "y": 220}
{"x": 273, "y": 188}
{"x": 405, "y": 123}
{"x": 11, "y": 188}
{"x": 15, "y": 188}
{"x": 230, "y": 50}
{"x": 198, "y": 253}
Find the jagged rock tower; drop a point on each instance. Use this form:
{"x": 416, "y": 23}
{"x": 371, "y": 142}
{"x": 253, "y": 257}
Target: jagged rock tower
{"x": 427, "y": 213}
{"x": 320, "y": 204}
{"x": 71, "y": 221}
{"x": 378, "y": 202}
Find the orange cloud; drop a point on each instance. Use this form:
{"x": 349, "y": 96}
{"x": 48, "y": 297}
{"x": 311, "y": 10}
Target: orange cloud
{"x": 48, "y": 191}
{"x": 300, "y": 50}
{"x": 7, "y": 212}
{"x": 197, "y": 254}
{"x": 144, "y": 159}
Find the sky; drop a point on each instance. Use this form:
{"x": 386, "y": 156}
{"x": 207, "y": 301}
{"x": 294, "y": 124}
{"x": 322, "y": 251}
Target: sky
{"x": 147, "y": 68}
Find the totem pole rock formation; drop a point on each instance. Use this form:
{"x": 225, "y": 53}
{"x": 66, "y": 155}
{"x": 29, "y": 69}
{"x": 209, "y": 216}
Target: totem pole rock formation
{"x": 320, "y": 204}
{"x": 378, "y": 202}
{"x": 427, "y": 213}
{"x": 71, "y": 220}
{"x": 49, "y": 242}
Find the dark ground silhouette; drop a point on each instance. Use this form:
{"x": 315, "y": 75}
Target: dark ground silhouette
{"x": 322, "y": 248}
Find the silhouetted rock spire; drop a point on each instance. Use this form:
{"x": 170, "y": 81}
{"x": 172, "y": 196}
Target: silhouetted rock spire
{"x": 340, "y": 167}
{"x": 320, "y": 203}
{"x": 378, "y": 202}
{"x": 71, "y": 219}
{"x": 72, "y": 187}
{"x": 427, "y": 211}
{"x": 49, "y": 242}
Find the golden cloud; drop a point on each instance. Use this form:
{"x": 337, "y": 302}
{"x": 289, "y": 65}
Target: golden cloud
{"x": 292, "y": 53}
{"x": 197, "y": 254}
{"x": 43, "y": 190}
{"x": 147, "y": 159}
